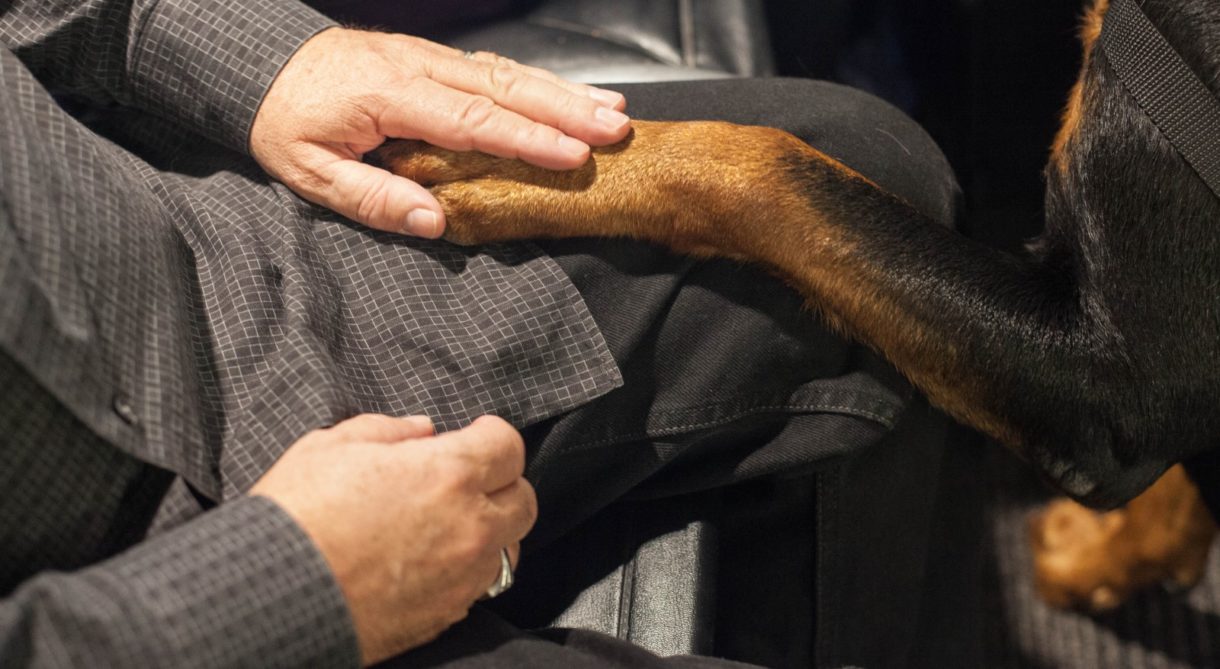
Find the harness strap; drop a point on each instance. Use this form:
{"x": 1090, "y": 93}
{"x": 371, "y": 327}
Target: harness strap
{"x": 1165, "y": 87}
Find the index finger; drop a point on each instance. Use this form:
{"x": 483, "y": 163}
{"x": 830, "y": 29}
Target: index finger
{"x": 604, "y": 97}
{"x": 494, "y": 450}
{"x": 537, "y": 99}
{"x": 458, "y": 121}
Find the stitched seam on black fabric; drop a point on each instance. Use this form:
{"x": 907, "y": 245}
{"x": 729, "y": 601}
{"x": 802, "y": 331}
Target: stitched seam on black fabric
{"x": 827, "y": 400}
{"x": 679, "y": 429}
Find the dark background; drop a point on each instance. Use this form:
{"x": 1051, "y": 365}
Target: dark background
{"x": 987, "y": 78}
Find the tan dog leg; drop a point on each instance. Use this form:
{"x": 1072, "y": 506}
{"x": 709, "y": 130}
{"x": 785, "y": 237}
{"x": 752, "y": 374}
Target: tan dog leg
{"x": 1094, "y": 561}
{"x": 957, "y": 318}
{"x": 678, "y": 184}
{"x": 716, "y": 189}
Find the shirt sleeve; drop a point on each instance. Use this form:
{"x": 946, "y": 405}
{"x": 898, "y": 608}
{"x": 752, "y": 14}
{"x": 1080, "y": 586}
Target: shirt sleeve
{"x": 241, "y": 586}
{"x": 205, "y": 64}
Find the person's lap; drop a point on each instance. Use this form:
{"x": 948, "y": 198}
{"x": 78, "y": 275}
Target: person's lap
{"x": 727, "y": 376}
{"x": 715, "y": 355}
{"x": 711, "y": 347}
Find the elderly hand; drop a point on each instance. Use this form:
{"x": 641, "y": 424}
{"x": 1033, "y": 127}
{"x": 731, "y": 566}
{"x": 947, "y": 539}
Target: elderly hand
{"x": 410, "y": 523}
{"x": 346, "y": 91}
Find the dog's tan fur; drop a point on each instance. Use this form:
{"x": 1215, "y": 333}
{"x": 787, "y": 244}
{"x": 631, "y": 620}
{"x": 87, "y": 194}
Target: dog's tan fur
{"x": 1085, "y": 559}
{"x": 717, "y": 189}
{"x": 703, "y": 188}
{"x": 1094, "y": 561}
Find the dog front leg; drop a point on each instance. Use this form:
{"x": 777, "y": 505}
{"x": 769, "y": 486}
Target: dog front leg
{"x": 695, "y": 187}
{"x": 1001, "y": 343}
{"x": 1095, "y": 561}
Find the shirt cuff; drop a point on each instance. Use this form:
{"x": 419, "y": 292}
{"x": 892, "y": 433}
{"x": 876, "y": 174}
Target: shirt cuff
{"x": 242, "y": 585}
{"x": 208, "y": 63}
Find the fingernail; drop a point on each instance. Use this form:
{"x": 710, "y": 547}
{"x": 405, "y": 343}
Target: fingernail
{"x": 572, "y": 146}
{"x": 421, "y": 222}
{"x": 605, "y": 97}
{"x": 611, "y": 119}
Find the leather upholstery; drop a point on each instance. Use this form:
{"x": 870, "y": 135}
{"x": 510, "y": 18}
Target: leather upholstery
{"x": 663, "y": 596}
{"x": 633, "y": 40}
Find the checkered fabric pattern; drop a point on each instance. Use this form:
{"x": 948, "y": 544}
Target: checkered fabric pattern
{"x": 167, "y": 311}
{"x": 240, "y": 586}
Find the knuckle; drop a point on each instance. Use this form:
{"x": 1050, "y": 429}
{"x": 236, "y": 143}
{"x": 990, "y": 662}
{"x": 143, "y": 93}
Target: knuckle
{"x": 530, "y": 499}
{"x": 480, "y": 539}
{"x": 303, "y": 178}
{"x": 358, "y": 424}
{"x": 515, "y": 445}
{"x": 370, "y": 419}
{"x": 537, "y": 134}
{"x": 477, "y": 111}
{"x": 577, "y": 105}
{"x": 473, "y": 543}
{"x": 540, "y": 73}
{"x": 374, "y": 200}
{"x": 409, "y": 42}
{"x": 503, "y": 440}
{"x": 454, "y": 474}
{"x": 345, "y": 424}
{"x": 317, "y": 438}
{"x": 504, "y": 79}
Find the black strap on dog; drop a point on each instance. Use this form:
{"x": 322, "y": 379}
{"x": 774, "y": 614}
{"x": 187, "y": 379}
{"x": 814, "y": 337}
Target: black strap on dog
{"x": 1165, "y": 87}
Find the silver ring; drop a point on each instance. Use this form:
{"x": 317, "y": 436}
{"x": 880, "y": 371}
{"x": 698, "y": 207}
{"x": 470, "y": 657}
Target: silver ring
{"x": 505, "y": 581}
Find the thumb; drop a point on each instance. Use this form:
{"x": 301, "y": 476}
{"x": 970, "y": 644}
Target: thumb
{"x": 380, "y": 199}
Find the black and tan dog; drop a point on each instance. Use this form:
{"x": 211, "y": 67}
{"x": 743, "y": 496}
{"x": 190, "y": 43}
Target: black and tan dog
{"x": 1096, "y": 355}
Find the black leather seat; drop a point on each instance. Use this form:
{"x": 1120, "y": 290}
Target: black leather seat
{"x": 632, "y": 40}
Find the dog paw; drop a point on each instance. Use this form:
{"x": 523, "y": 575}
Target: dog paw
{"x": 695, "y": 187}
{"x": 1079, "y": 562}
{"x": 491, "y": 199}
{"x": 1094, "y": 561}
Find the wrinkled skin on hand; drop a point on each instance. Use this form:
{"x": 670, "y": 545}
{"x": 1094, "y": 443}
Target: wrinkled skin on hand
{"x": 410, "y": 523}
{"x": 346, "y": 91}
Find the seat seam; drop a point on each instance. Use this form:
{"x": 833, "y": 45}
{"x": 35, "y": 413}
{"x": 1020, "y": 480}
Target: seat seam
{"x": 597, "y": 34}
{"x": 686, "y": 32}
{"x": 626, "y": 597}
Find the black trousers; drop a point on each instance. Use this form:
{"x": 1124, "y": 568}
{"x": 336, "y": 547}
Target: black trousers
{"x": 728, "y": 376}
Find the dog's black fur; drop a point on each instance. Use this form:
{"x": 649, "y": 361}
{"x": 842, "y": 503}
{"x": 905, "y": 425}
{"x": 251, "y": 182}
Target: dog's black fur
{"x": 1137, "y": 234}
{"x": 1098, "y": 353}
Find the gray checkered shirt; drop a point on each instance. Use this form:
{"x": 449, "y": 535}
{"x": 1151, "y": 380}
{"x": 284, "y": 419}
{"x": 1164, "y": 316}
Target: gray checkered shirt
{"x": 171, "y": 320}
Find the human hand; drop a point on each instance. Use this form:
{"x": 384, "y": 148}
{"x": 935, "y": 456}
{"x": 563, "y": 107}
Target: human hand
{"x": 410, "y": 523}
{"x": 346, "y": 91}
